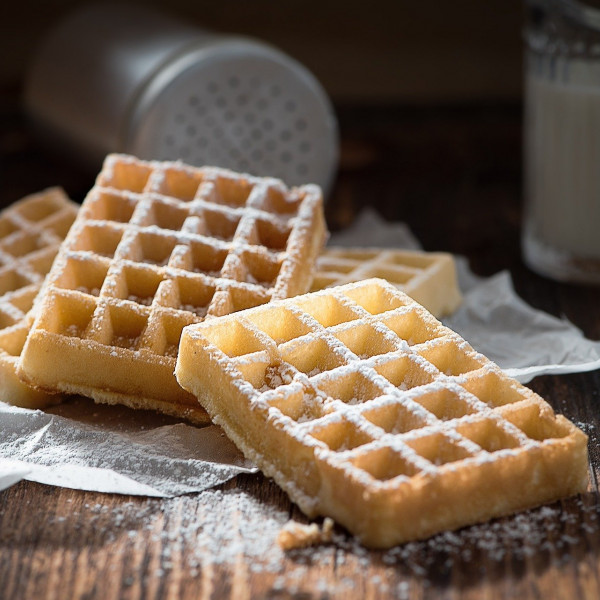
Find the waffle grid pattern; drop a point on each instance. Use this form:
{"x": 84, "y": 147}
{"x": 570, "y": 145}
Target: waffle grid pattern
{"x": 158, "y": 246}
{"x": 31, "y": 231}
{"x": 427, "y": 277}
{"x": 365, "y": 408}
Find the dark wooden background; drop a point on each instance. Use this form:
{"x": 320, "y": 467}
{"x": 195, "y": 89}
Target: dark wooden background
{"x": 434, "y": 140}
{"x": 382, "y": 51}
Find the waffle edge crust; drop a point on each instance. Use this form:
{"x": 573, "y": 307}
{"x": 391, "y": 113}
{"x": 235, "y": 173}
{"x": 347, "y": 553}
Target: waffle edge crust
{"x": 31, "y": 231}
{"x": 157, "y": 246}
{"x": 364, "y": 408}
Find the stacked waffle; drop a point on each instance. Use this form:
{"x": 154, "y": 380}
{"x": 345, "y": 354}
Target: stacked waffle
{"x": 31, "y": 231}
{"x": 427, "y": 277}
{"x": 182, "y": 290}
{"x": 157, "y": 246}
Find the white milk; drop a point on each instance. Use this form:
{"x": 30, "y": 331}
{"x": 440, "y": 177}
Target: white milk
{"x": 562, "y": 174}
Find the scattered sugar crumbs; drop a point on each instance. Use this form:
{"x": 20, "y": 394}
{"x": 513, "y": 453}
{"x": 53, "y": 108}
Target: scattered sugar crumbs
{"x": 226, "y": 527}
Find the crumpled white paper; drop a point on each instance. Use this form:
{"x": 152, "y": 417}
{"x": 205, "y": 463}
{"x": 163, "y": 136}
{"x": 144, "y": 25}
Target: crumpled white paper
{"x": 64, "y": 446}
{"x": 114, "y": 449}
{"x": 525, "y": 342}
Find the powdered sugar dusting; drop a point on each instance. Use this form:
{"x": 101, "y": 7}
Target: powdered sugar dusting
{"x": 229, "y": 530}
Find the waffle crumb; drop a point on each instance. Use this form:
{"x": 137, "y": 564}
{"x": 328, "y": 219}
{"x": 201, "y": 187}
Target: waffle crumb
{"x": 294, "y": 535}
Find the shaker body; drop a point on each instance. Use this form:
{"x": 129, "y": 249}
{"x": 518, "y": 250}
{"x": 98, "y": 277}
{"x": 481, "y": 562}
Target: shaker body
{"x": 83, "y": 80}
{"x": 114, "y": 78}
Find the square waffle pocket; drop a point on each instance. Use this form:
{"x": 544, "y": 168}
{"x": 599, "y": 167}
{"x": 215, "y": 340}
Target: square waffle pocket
{"x": 31, "y": 231}
{"x": 427, "y": 277}
{"x": 157, "y": 246}
{"x": 364, "y": 408}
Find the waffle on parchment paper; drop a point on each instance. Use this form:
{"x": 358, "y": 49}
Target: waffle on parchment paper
{"x": 427, "y": 277}
{"x": 157, "y": 246}
{"x": 364, "y": 408}
{"x": 31, "y": 231}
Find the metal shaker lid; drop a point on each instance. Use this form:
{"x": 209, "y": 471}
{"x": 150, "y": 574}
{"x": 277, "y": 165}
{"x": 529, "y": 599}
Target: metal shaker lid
{"x": 239, "y": 104}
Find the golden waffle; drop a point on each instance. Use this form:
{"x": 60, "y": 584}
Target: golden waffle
{"x": 427, "y": 277}
{"x": 364, "y": 408}
{"x": 31, "y": 231}
{"x": 157, "y": 246}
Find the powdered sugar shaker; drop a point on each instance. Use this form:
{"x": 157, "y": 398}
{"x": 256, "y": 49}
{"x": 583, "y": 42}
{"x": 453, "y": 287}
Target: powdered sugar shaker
{"x": 131, "y": 79}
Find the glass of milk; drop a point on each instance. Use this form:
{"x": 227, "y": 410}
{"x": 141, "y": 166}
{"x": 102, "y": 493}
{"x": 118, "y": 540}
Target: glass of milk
{"x": 561, "y": 228}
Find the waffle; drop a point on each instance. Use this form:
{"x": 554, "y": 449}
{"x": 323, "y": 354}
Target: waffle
{"x": 157, "y": 246}
{"x": 31, "y": 231}
{"x": 364, "y": 408}
{"x": 427, "y": 277}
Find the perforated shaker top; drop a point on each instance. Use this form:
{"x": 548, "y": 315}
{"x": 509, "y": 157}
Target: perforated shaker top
{"x": 241, "y": 105}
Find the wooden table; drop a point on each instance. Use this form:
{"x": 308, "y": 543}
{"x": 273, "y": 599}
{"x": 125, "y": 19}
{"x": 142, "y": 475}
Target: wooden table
{"x": 454, "y": 176}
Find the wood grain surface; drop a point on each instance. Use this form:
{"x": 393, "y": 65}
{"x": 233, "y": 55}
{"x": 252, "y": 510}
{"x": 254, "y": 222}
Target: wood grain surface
{"x": 454, "y": 176}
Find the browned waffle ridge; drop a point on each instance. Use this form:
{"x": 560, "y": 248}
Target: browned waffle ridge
{"x": 157, "y": 246}
{"x": 365, "y": 408}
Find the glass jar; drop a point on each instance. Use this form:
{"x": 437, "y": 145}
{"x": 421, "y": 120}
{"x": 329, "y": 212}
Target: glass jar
{"x": 561, "y": 228}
